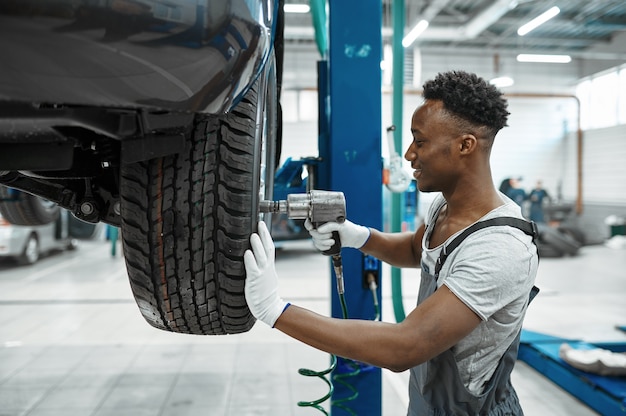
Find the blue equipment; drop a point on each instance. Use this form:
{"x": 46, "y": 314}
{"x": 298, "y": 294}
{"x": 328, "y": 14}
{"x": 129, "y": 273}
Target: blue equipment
{"x": 606, "y": 395}
{"x": 350, "y": 150}
{"x": 293, "y": 177}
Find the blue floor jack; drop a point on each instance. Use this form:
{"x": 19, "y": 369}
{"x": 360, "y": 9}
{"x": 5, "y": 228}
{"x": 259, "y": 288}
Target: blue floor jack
{"x": 606, "y": 395}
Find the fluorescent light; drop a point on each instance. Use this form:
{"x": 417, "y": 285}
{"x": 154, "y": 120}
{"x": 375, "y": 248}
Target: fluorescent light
{"x": 501, "y": 82}
{"x": 387, "y": 64}
{"x": 296, "y": 8}
{"x": 414, "y": 33}
{"x": 538, "y": 21}
{"x": 550, "y": 59}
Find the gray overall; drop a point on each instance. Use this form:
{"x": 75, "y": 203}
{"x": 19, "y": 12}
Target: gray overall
{"x": 435, "y": 386}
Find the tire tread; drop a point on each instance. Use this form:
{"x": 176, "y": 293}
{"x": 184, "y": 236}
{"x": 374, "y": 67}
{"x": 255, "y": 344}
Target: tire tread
{"x": 186, "y": 221}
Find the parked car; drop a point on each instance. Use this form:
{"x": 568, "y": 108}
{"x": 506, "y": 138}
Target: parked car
{"x": 27, "y": 243}
{"x": 161, "y": 118}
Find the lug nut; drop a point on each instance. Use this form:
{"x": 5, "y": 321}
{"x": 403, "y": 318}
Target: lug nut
{"x": 86, "y": 208}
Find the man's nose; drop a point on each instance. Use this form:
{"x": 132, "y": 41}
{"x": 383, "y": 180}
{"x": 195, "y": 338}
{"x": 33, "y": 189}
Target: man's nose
{"x": 409, "y": 154}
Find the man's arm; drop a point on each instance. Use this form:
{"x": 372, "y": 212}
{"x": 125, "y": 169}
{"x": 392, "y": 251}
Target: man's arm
{"x": 431, "y": 328}
{"x": 396, "y": 249}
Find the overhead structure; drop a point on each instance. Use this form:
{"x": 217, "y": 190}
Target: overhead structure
{"x": 582, "y": 29}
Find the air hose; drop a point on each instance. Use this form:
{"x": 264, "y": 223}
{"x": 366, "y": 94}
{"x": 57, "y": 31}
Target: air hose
{"x": 316, "y": 404}
{"x": 373, "y": 287}
{"x": 352, "y": 368}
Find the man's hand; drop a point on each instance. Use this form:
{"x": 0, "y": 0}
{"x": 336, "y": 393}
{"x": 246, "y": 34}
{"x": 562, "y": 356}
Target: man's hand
{"x": 261, "y": 280}
{"x": 350, "y": 234}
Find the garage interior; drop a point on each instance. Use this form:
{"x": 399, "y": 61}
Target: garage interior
{"x": 73, "y": 342}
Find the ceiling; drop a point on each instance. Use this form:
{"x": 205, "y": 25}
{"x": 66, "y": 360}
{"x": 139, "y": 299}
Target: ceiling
{"x": 583, "y": 29}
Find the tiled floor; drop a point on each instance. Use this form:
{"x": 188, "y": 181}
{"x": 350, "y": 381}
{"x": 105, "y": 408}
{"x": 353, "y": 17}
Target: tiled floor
{"x": 72, "y": 341}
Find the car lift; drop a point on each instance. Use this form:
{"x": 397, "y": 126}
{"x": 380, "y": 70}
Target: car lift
{"x": 350, "y": 148}
{"x": 606, "y": 395}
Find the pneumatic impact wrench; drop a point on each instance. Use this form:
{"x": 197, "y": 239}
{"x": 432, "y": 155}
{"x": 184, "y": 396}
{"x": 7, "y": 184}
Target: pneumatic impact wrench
{"x": 319, "y": 207}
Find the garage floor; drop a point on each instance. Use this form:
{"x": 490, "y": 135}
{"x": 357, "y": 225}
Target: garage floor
{"x": 72, "y": 341}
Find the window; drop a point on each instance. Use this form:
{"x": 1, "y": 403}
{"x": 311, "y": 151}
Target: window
{"x": 621, "y": 116}
{"x": 603, "y": 103}
{"x": 603, "y": 99}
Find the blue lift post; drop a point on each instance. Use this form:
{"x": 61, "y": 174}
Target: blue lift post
{"x": 350, "y": 150}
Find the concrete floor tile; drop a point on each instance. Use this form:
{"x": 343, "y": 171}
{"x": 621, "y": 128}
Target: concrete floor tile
{"x": 19, "y": 400}
{"x": 60, "y": 412}
{"x": 34, "y": 377}
{"x": 78, "y": 379}
{"x": 134, "y": 411}
{"x": 132, "y": 378}
{"x": 190, "y": 410}
{"x": 72, "y": 398}
{"x": 135, "y": 397}
{"x": 208, "y": 391}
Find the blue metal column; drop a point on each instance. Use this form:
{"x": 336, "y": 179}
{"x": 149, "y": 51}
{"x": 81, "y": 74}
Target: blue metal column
{"x": 351, "y": 163}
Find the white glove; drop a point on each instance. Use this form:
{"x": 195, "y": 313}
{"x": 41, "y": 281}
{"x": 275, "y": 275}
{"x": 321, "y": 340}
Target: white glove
{"x": 261, "y": 280}
{"x": 350, "y": 234}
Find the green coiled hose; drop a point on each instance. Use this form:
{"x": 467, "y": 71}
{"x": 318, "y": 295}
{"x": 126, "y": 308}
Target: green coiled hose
{"x": 355, "y": 369}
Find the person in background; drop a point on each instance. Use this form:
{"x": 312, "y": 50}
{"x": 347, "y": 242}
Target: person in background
{"x": 537, "y": 197}
{"x": 515, "y": 192}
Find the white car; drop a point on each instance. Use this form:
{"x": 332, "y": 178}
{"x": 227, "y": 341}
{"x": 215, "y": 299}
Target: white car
{"x": 26, "y": 243}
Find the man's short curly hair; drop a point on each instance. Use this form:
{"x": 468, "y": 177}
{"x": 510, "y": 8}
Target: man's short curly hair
{"x": 470, "y": 97}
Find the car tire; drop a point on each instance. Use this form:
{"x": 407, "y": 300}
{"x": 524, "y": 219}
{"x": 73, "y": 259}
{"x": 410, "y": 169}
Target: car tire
{"x": 545, "y": 250}
{"x": 31, "y": 252}
{"x": 187, "y": 218}
{"x": 21, "y": 208}
{"x": 560, "y": 241}
{"x": 574, "y": 232}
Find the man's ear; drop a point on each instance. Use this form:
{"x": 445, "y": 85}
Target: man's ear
{"x": 468, "y": 143}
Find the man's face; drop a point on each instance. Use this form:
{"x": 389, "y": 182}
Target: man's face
{"x": 430, "y": 153}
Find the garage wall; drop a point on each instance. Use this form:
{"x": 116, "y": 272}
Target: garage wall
{"x": 531, "y": 146}
{"x": 604, "y": 178}
{"x": 604, "y": 165}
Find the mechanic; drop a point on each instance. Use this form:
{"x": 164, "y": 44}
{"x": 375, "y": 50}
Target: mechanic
{"x": 460, "y": 342}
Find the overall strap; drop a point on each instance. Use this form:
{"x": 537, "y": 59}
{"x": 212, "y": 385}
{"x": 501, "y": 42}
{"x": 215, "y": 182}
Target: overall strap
{"x": 528, "y": 227}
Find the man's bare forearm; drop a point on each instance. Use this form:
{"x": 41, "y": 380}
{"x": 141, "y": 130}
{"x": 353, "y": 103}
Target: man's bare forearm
{"x": 396, "y": 249}
{"x": 373, "y": 342}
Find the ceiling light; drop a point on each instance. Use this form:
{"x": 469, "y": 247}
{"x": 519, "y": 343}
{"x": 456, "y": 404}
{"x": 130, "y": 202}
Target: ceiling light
{"x": 538, "y": 21}
{"x": 501, "y": 82}
{"x": 296, "y": 8}
{"x": 414, "y": 33}
{"x": 550, "y": 59}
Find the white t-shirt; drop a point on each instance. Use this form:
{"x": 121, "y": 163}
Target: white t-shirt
{"x": 492, "y": 272}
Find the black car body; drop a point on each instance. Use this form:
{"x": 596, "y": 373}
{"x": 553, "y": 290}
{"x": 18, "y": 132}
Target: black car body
{"x": 160, "y": 117}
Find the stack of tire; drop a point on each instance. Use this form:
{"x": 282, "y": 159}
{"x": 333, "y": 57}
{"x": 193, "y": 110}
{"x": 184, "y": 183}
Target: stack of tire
{"x": 559, "y": 241}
